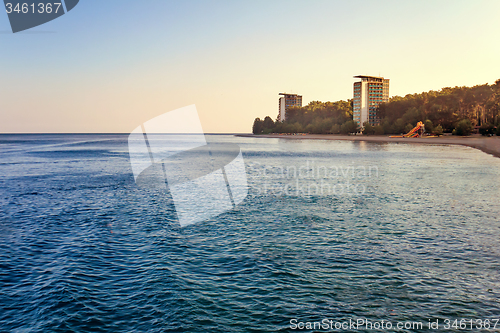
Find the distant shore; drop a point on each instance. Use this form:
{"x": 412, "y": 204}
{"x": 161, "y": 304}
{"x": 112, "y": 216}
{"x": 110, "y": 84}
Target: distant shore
{"x": 489, "y": 145}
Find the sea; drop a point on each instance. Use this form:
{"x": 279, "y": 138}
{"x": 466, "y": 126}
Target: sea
{"x": 331, "y": 234}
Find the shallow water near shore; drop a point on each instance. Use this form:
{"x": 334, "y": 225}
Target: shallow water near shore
{"x": 329, "y": 229}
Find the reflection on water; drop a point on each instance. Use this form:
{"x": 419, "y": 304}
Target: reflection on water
{"x": 83, "y": 248}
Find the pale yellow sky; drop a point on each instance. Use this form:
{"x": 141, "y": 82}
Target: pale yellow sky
{"x": 96, "y": 74}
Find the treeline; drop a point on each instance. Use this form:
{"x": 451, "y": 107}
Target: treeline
{"x": 447, "y": 108}
{"x": 316, "y": 117}
{"x": 453, "y": 110}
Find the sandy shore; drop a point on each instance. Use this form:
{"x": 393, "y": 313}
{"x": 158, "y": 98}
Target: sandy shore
{"x": 489, "y": 145}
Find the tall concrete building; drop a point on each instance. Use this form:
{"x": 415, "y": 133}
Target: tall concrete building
{"x": 368, "y": 94}
{"x": 286, "y": 102}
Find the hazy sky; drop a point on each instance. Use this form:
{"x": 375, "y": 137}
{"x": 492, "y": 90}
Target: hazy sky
{"x": 110, "y": 65}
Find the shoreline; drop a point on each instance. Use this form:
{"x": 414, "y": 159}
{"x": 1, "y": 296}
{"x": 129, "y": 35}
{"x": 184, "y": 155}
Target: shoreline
{"x": 488, "y": 145}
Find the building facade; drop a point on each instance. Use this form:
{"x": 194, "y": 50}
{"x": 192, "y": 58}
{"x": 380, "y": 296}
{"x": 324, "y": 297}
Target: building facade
{"x": 367, "y": 95}
{"x": 286, "y": 102}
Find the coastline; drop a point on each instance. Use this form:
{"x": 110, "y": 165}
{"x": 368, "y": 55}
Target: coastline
{"x": 489, "y": 145}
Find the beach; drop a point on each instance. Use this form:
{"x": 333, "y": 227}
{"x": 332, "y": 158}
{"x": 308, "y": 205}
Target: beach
{"x": 489, "y": 145}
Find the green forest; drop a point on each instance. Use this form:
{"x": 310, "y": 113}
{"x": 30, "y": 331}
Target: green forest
{"x": 455, "y": 110}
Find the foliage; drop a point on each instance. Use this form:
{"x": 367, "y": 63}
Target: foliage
{"x": 333, "y": 112}
{"x": 257, "y": 126}
{"x": 335, "y": 129}
{"x": 429, "y": 126}
{"x": 378, "y": 130}
{"x": 368, "y": 129}
{"x": 438, "y": 130}
{"x": 315, "y": 118}
{"x": 349, "y": 127}
{"x": 408, "y": 127}
{"x": 268, "y": 123}
{"x": 464, "y": 127}
{"x": 487, "y": 129}
{"x": 398, "y": 127}
{"x": 443, "y": 109}
{"x": 479, "y": 104}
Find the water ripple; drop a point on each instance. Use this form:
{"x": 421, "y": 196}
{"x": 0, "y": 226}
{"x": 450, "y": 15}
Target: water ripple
{"x": 83, "y": 249}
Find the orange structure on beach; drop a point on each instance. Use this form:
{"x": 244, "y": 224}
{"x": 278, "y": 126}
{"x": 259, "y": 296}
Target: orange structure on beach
{"x": 416, "y": 132}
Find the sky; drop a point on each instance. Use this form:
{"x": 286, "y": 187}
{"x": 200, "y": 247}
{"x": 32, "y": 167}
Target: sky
{"x": 108, "y": 66}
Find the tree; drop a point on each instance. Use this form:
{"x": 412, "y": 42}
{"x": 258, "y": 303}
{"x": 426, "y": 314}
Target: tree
{"x": 368, "y": 129}
{"x": 429, "y": 127}
{"x": 408, "y": 128}
{"x": 378, "y": 130}
{"x": 398, "y": 126}
{"x": 335, "y": 129}
{"x": 268, "y": 125}
{"x": 487, "y": 129}
{"x": 386, "y": 125}
{"x": 297, "y": 128}
{"x": 350, "y": 126}
{"x": 438, "y": 130}
{"x": 479, "y": 104}
{"x": 495, "y": 104}
{"x": 257, "y": 126}
{"x": 309, "y": 128}
{"x": 464, "y": 127}
{"x": 447, "y": 107}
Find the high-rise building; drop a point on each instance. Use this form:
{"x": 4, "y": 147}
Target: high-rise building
{"x": 368, "y": 94}
{"x": 286, "y": 102}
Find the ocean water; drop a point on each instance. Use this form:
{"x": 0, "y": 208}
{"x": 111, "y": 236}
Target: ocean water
{"x": 332, "y": 230}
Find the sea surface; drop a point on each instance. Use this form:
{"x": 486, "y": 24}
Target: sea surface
{"x": 333, "y": 230}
